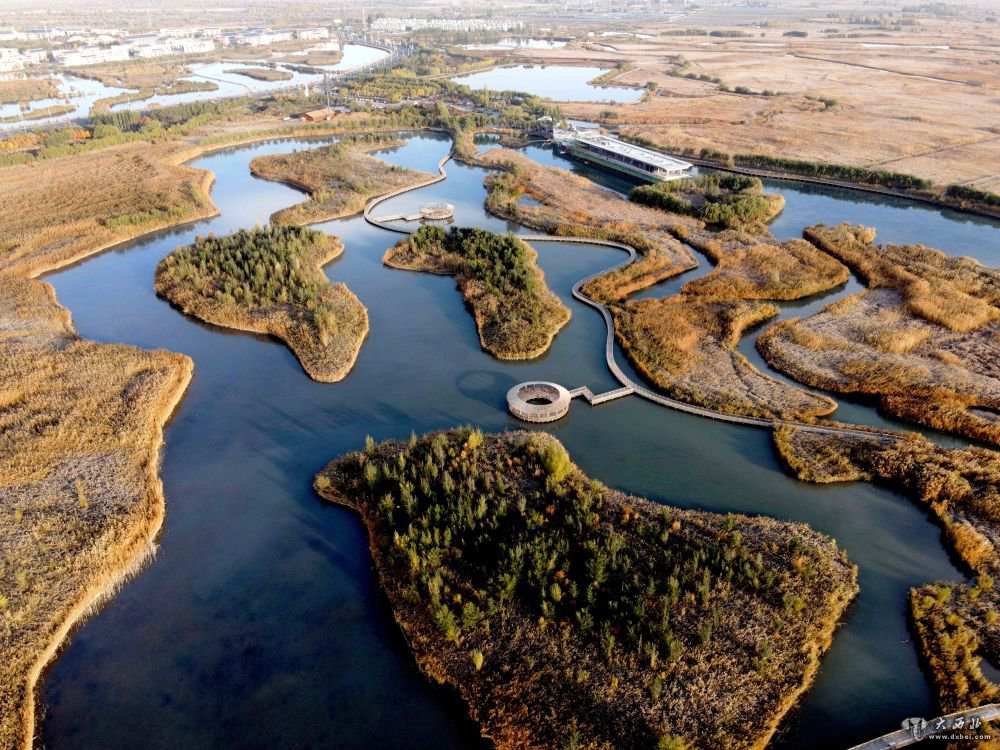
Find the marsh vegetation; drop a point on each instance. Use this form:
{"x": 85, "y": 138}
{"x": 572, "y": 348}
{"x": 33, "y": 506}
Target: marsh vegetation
{"x": 567, "y": 614}
{"x": 339, "y": 178}
{"x": 925, "y": 339}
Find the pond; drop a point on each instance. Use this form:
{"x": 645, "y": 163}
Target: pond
{"x": 560, "y": 83}
{"x": 83, "y": 92}
{"x": 259, "y": 623}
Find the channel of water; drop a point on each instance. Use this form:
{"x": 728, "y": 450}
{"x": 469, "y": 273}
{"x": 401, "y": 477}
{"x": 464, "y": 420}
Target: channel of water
{"x": 259, "y": 624}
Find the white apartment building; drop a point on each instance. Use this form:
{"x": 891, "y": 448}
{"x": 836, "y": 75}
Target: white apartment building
{"x": 317, "y": 33}
{"x": 92, "y": 55}
{"x": 10, "y": 59}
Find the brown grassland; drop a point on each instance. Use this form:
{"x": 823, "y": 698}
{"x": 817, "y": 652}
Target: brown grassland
{"x": 958, "y": 625}
{"x": 281, "y": 291}
{"x": 59, "y": 210}
{"x": 17, "y": 90}
{"x": 339, "y": 178}
{"x": 925, "y": 339}
{"x": 574, "y": 206}
{"x": 514, "y": 321}
{"x": 686, "y": 346}
{"x": 833, "y": 97}
{"x": 527, "y": 593}
{"x": 80, "y": 497}
{"x": 754, "y": 265}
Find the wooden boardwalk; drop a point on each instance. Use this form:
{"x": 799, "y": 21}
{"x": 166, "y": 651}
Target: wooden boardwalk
{"x": 629, "y": 386}
{"x": 948, "y": 725}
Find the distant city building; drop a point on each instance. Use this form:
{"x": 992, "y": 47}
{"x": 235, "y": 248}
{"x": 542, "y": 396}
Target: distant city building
{"x": 35, "y": 56}
{"x": 10, "y": 35}
{"x": 317, "y": 33}
{"x": 448, "y": 24}
{"x": 11, "y": 59}
{"x": 92, "y": 55}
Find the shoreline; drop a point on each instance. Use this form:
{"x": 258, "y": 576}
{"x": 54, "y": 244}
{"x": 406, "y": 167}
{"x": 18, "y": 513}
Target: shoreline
{"x": 246, "y": 324}
{"x": 141, "y": 548}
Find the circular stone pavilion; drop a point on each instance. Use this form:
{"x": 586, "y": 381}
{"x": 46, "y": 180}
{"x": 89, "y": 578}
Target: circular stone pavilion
{"x": 538, "y": 401}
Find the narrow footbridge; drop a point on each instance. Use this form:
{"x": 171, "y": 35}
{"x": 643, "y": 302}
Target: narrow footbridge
{"x": 966, "y": 722}
{"x": 629, "y": 386}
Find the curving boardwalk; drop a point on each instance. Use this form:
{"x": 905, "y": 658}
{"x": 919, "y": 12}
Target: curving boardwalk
{"x": 960, "y": 722}
{"x": 629, "y": 386}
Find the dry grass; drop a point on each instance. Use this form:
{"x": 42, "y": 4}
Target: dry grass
{"x": 925, "y": 340}
{"x": 17, "y": 90}
{"x": 574, "y": 206}
{"x": 339, "y": 178}
{"x": 80, "y": 500}
{"x": 261, "y": 74}
{"x": 958, "y": 293}
{"x": 880, "y": 120}
{"x": 956, "y": 625}
{"x": 756, "y": 266}
{"x": 687, "y": 347}
{"x": 58, "y": 210}
{"x": 134, "y": 74}
{"x": 551, "y": 681}
{"x": 327, "y": 348}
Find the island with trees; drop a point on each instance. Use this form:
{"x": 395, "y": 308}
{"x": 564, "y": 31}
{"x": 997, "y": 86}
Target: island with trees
{"x": 516, "y": 314}
{"x": 568, "y": 614}
{"x": 339, "y": 178}
{"x": 270, "y": 280}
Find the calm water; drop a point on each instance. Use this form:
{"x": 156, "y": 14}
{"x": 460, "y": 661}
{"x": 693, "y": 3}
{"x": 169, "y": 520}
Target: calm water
{"x": 83, "y": 92}
{"x": 559, "y": 83}
{"x": 260, "y": 625}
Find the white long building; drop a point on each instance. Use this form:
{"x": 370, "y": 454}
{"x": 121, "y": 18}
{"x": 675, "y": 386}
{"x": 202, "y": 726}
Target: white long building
{"x": 603, "y": 150}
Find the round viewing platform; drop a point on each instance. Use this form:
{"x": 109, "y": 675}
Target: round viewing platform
{"x": 437, "y": 212}
{"x": 538, "y": 401}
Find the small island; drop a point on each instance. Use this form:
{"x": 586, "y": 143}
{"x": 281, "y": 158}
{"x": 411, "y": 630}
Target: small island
{"x": 568, "y": 614}
{"x": 339, "y": 178}
{"x": 270, "y": 280}
{"x": 924, "y": 339}
{"x": 727, "y": 200}
{"x": 516, "y": 314}
{"x": 956, "y": 624}
{"x": 261, "y": 74}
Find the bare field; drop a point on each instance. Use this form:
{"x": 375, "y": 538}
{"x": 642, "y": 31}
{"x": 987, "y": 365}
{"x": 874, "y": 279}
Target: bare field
{"x": 888, "y": 110}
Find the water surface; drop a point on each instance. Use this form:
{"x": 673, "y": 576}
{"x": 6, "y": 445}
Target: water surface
{"x": 259, "y": 624}
{"x": 560, "y": 83}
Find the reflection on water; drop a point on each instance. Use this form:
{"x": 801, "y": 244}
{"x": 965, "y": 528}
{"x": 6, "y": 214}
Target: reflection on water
{"x": 559, "y": 83}
{"x": 83, "y": 92}
{"x": 260, "y": 624}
